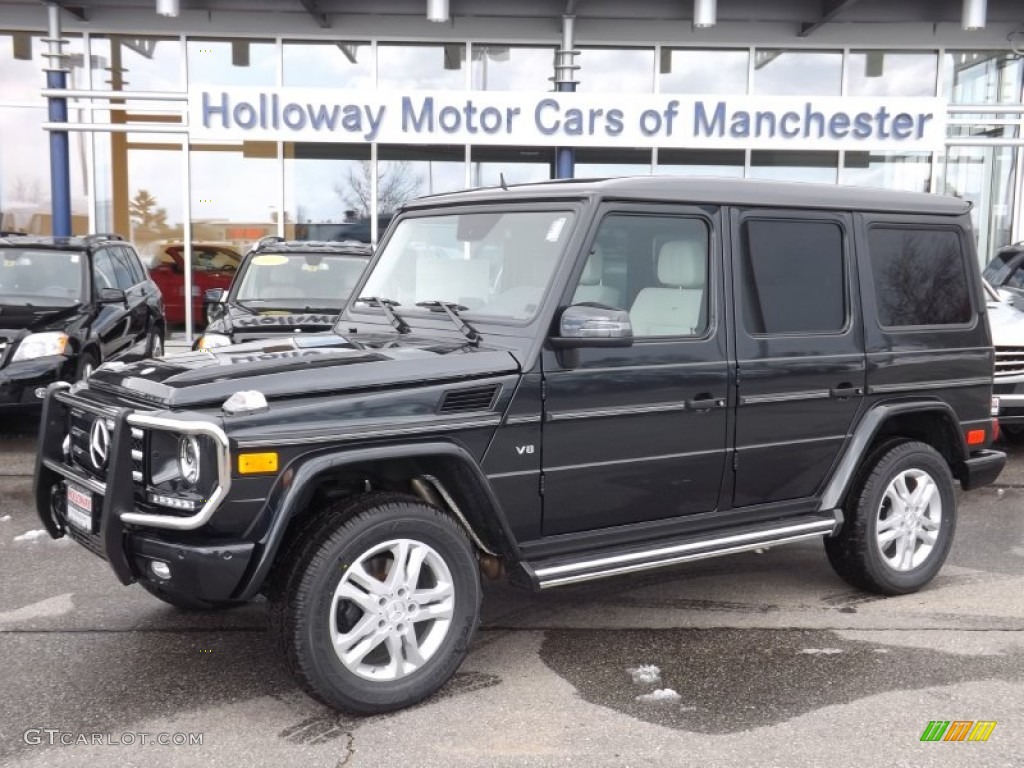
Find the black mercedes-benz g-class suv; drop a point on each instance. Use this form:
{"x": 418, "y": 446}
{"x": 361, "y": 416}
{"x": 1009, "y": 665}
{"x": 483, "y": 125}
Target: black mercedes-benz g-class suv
{"x": 558, "y": 382}
{"x": 284, "y": 287}
{"x": 68, "y": 304}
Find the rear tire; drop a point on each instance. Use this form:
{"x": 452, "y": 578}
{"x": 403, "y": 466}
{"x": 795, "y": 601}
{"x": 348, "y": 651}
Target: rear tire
{"x": 378, "y": 604}
{"x": 900, "y": 520}
{"x": 1012, "y": 433}
{"x": 155, "y": 343}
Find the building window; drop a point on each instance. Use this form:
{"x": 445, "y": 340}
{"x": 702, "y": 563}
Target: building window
{"x": 123, "y": 63}
{"x": 616, "y": 70}
{"x": 232, "y": 62}
{"x": 600, "y": 163}
{"x": 339, "y": 64}
{"x": 784, "y": 165}
{"x": 512, "y": 68}
{"x": 700, "y": 162}
{"x": 703, "y": 71}
{"x": 983, "y": 77}
{"x": 919, "y": 277}
{"x": 403, "y": 67}
{"x": 815, "y": 73}
{"x": 891, "y": 73}
{"x": 911, "y": 171}
{"x": 792, "y": 277}
{"x": 321, "y": 182}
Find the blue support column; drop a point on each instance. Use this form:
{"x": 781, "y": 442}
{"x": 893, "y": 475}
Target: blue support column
{"x": 60, "y": 161}
{"x": 565, "y": 82}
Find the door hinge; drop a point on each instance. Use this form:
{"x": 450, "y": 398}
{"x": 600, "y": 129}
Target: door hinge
{"x": 735, "y": 460}
{"x": 541, "y": 484}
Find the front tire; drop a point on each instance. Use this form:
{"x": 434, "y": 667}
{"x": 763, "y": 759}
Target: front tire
{"x": 900, "y": 520}
{"x": 377, "y": 612}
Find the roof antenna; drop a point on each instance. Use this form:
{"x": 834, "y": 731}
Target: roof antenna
{"x": 501, "y": 176}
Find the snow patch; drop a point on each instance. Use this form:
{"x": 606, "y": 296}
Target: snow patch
{"x": 32, "y": 535}
{"x": 52, "y": 606}
{"x": 5, "y": 518}
{"x": 660, "y": 694}
{"x": 645, "y": 674}
{"x": 821, "y": 651}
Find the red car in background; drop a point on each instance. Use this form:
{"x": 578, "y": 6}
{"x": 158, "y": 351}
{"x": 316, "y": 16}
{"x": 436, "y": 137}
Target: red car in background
{"x": 213, "y": 266}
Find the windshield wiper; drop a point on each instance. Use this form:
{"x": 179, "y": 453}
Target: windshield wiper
{"x": 386, "y": 305}
{"x": 452, "y": 310}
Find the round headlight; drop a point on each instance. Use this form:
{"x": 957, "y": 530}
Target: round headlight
{"x": 188, "y": 458}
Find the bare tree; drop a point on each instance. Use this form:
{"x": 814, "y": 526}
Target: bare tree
{"x": 396, "y": 183}
{"x": 27, "y": 191}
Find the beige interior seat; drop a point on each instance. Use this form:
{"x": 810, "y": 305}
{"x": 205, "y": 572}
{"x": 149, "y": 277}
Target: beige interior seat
{"x": 591, "y": 287}
{"x": 674, "y": 307}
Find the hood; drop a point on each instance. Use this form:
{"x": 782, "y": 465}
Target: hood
{"x": 307, "y": 365}
{"x": 1007, "y": 323}
{"x": 18, "y": 320}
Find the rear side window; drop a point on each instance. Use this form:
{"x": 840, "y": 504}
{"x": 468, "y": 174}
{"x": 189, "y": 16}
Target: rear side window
{"x": 920, "y": 277}
{"x": 122, "y": 271}
{"x": 792, "y": 277}
{"x": 138, "y": 273}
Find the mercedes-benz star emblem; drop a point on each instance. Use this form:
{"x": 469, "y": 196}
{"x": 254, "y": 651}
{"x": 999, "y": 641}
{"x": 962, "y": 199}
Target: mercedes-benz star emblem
{"x": 99, "y": 443}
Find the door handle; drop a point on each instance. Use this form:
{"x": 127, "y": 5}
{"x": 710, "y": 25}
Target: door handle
{"x": 705, "y": 401}
{"x": 844, "y": 390}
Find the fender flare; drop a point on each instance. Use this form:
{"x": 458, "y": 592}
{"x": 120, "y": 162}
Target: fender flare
{"x": 291, "y": 499}
{"x": 865, "y": 433}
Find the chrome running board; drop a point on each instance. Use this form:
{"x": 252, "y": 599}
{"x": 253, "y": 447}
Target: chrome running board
{"x": 557, "y": 572}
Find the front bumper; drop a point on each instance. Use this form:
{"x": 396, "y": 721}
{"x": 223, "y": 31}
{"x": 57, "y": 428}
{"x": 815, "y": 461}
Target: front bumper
{"x": 19, "y": 381}
{"x": 209, "y": 571}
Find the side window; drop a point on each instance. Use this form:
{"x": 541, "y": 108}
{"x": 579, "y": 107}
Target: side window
{"x": 122, "y": 270}
{"x": 792, "y": 277}
{"x": 654, "y": 266}
{"x": 919, "y": 275}
{"x": 103, "y": 275}
{"x": 138, "y": 273}
{"x": 1016, "y": 279}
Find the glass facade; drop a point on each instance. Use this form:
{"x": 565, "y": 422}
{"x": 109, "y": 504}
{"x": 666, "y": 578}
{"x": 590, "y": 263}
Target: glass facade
{"x": 157, "y": 187}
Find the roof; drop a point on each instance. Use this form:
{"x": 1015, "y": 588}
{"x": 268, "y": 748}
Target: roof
{"x": 720, "y": 191}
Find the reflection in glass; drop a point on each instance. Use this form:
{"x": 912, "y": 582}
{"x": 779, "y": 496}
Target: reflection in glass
{"x": 340, "y": 64}
{"x": 911, "y": 171}
{"x": 516, "y": 165}
{"x": 891, "y": 73}
{"x": 984, "y": 176}
{"x": 232, "y": 62}
{"x": 307, "y": 282}
{"x": 495, "y": 264}
{"x": 817, "y": 73}
{"x": 512, "y": 68}
{"x": 782, "y": 165}
{"x": 601, "y": 163}
{"x": 136, "y": 64}
{"x": 982, "y": 77}
{"x": 41, "y": 278}
{"x": 22, "y": 63}
{"x": 692, "y": 70}
{"x": 25, "y": 174}
{"x": 235, "y": 191}
{"x": 700, "y": 162}
{"x": 421, "y": 67}
{"x": 317, "y": 180}
{"x": 616, "y": 70}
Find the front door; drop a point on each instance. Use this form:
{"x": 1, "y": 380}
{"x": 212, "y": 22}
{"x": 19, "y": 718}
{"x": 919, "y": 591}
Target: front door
{"x": 639, "y": 433}
{"x": 799, "y": 347}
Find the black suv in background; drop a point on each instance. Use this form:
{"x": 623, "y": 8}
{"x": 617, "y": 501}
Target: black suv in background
{"x": 69, "y": 304}
{"x": 284, "y": 287}
{"x": 559, "y": 382}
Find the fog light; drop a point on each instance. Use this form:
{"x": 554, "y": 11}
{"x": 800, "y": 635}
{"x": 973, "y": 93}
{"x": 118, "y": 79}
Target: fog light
{"x": 160, "y": 569}
{"x": 41, "y": 392}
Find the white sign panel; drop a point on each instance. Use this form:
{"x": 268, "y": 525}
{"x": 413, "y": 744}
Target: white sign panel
{"x": 567, "y": 119}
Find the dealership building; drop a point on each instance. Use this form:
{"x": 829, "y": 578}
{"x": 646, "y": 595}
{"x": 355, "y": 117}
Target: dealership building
{"x": 197, "y": 121}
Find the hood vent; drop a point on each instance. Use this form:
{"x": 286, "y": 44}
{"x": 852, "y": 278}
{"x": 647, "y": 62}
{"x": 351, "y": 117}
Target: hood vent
{"x": 473, "y": 399}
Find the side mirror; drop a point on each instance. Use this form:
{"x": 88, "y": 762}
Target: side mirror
{"x": 111, "y": 296}
{"x": 214, "y": 296}
{"x": 593, "y": 325}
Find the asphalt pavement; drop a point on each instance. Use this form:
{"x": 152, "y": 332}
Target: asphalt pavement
{"x": 763, "y": 659}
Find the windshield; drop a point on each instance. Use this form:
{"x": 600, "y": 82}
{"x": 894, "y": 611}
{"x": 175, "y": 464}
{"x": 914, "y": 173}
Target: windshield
{"x": 39, "y": 277}
{"x": 299, "y": 280}
{"x": 494, "y": 264}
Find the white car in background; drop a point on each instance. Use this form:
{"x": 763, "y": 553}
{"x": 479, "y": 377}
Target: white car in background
{"x": 1007, "y": 323}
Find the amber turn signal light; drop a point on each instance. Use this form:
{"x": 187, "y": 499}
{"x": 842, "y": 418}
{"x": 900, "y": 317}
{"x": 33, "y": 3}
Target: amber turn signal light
{"x": 256, "y": 463}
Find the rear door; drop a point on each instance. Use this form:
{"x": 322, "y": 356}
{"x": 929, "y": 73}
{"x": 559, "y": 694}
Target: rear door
{"x": 799, "y": 347}
{"x": 113, "y": 321}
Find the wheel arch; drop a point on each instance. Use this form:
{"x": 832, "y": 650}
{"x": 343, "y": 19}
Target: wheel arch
{"x": 440, "y": 473}
{"x": 933, "y": 422}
